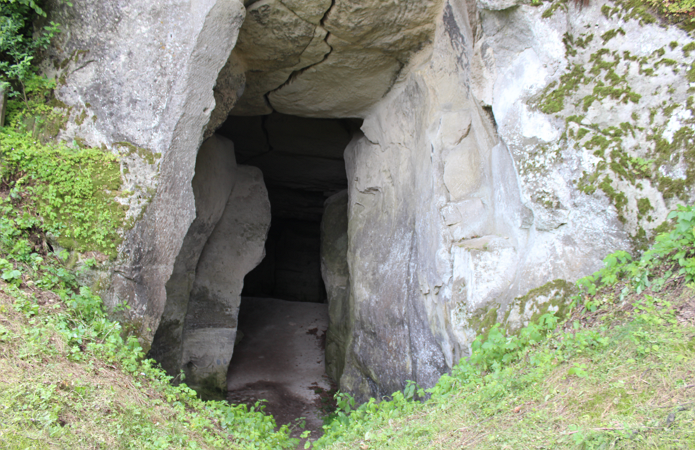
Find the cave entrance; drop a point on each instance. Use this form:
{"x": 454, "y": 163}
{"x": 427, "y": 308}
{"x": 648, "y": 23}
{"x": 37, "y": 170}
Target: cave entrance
{"x": 279, "y": 353}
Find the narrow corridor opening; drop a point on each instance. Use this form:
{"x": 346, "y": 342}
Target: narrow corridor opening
{"x": 279, "y": 353}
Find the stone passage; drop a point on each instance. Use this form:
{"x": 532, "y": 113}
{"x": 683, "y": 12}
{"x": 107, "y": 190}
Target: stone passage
{"x": 281, "y": 353}
{"x": 261, "y": 186}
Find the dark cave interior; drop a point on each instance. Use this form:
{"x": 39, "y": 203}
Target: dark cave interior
{"x": 302, "y": 164}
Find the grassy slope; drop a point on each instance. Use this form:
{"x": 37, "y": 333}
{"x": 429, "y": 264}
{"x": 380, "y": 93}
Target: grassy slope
{"x": 52, "y": 400}
{"x": 70, "y": 380}
{"x": 624, "y": 382}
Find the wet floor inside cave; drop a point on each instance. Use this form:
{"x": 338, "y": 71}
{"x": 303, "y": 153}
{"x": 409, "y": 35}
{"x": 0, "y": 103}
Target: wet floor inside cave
{"x": 280, "y": 359}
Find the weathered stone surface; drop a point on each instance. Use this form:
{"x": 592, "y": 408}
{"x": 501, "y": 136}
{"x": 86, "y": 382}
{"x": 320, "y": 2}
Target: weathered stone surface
{"x": 215, "y": 176}
{"x": 229, "y": 87}
{"x": 144, "y": 73}
{"x": 275, "y": 42}
{"x": 455, "y": 224}
{"x": 560, "y": 136}
{"x": 497, "y": 5}
{"x": 462, "y": 170}
{"x": 336, "y": 276}
{"x": 363, "y": 76}
{"x": 233, "y": 249}
{"x": 351, "y": 61}
{"x": 369, "y": 24}
{"x": 271, "y": 22}
{"x": 311, "y": 11}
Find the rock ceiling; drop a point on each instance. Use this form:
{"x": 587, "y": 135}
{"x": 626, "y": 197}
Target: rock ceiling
{"x": 315, "y": 58}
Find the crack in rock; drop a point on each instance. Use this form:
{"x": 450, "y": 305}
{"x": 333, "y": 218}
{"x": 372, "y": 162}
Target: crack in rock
{"x": 298, "y": 72}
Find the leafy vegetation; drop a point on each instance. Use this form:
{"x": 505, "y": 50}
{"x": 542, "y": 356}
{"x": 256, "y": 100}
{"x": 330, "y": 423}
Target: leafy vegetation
{"x": 71, "y": 380}
{"x": 67, "y": 193}
{"x": 682, "y": 11}
{"x": 617, "y": 373}
{"x": 19, "y": 44}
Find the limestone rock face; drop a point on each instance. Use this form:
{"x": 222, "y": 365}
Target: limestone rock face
{"x": 336, "y": 277}
{"x": 233, "y": 249}
{"x": 297, "y": 52}
{"x": 275, "y": 42}
{"x": 497, "y": 5}
{"x": 505, "y": 150}
{"x": 506, "y": 164}
{"x": 564, "y": 84}
{"x": 143, "y": 73}
{"x": 229, "y": 87}
{"x": 215, "y": 176}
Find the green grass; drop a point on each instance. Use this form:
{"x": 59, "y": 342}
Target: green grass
{"x": 677, "y": 11}
{"x": 69, "y": 193}
{"x": 70, "y": 380}
{"x": 609, "y": 380}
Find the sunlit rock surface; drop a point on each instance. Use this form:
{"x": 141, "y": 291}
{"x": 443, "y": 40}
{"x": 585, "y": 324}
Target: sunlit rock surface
{"x": 505, "y": 150}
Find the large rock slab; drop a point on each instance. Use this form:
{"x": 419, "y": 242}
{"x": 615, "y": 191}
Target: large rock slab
{"x": 215, "y": 176}
{"x": 234, "y": 248}
{"x": 328, "y": 59}
{"x": 276, "y": 41}
{"x": 143, "y": 73}
{"x": 365, "y": 59}
{"x": 344, "y": 85}
{"x": 513, "y": 156}
{"x": 336, "y": 277}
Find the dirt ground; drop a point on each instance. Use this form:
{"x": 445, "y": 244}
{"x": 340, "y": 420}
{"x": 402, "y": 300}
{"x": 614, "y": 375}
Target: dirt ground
{"x": 280, "y": 358}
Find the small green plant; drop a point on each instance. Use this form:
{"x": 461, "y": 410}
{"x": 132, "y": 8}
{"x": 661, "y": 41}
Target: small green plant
{"x": 12, "y": 276}
{"x": 678, "y": 11}
{"x": 675, "y": 247}
{"x": 19, "y": 44}
{"x": 68, "y": 193}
